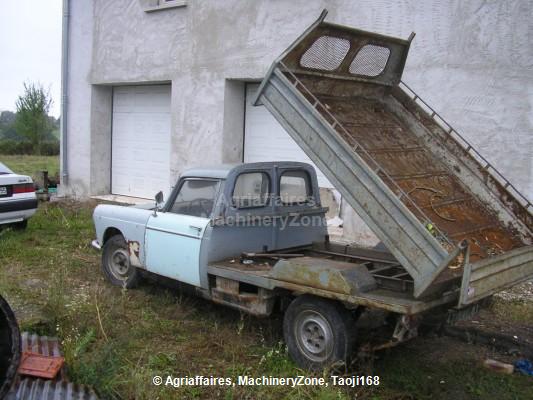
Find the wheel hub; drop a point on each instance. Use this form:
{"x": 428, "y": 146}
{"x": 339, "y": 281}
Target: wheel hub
{"x": 314, "y": 335}
{"x": 120, "y": 264}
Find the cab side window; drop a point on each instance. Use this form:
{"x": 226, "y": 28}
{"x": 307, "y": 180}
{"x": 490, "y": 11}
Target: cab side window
{"x": 196, "y": 197}
{"x": 294, "y": 188}
{"x": 252, "y": 189}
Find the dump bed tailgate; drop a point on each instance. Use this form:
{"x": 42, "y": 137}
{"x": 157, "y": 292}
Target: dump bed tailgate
{"x": 491, "y": 275}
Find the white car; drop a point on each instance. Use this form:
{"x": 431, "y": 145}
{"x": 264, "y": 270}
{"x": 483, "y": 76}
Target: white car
{"x": 18, "y": 201}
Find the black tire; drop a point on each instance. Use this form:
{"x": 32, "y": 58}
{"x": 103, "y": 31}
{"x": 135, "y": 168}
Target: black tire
{"x": 318, "y": 332}
{"x": 116, "y": 263}
{"x": 9, "y": 347}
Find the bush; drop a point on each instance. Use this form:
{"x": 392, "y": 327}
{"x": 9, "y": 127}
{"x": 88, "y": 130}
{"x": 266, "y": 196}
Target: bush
{"x": 13, "y": 147}
{"x": 50, "y": 148}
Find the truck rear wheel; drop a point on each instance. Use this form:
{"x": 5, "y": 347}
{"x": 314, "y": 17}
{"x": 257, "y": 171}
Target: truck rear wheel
{"x": 318, "y": 332}
{"x": 116, "y": 263}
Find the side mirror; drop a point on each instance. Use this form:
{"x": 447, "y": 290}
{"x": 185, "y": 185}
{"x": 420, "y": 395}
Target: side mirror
{"x": 159, "y": 198}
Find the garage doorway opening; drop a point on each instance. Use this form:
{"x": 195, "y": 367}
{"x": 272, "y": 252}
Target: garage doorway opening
{"x": 140, "y": 140}
{"x": 266, "y": 140}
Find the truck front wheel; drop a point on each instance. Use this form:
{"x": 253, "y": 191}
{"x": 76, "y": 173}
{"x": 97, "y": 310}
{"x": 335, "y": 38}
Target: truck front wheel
{"x": 318, "y": 332}
{"x": 116, "y": 263}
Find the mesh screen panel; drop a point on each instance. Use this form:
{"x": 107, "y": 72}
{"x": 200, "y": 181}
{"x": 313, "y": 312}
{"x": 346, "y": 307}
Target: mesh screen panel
{"x": 326, "y": 53}
{"x": 370, "y": 60}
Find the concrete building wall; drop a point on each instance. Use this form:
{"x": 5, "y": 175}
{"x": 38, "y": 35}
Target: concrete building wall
{"x": 471, "y": 61}
{"x": 78, "y": 145}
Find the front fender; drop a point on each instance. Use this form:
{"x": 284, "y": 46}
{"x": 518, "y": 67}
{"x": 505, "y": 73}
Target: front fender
{"x": 130, "y": 221}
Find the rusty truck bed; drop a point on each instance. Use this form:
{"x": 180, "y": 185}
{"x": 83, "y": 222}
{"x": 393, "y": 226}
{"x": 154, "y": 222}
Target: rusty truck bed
{"x": 323, "y": 273}
{"x": 438, "y": 205}
{"x": 377, "y": 134}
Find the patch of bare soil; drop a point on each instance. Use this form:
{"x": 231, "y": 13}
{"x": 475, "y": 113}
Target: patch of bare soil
{"x": 510, "y": 337}
{"x": 448, "y": 349}
{"x": 506, "y": 323}
{"x": 487, "y": 321}
{"x": 505, "y": 327}
{"x": 74, "y": 205}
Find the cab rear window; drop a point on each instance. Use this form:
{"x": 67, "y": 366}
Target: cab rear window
{"x": 294, "y": 188}
{"x": 252, "y": 189}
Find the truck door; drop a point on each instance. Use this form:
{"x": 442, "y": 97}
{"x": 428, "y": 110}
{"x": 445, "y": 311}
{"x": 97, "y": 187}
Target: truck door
{"x": 173, "y": 237}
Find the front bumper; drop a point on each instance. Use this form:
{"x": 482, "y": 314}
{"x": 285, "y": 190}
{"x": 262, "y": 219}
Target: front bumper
{"x": 96, "y": 245}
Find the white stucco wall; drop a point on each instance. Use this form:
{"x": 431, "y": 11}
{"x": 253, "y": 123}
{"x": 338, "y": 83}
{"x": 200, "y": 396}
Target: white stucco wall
{"x": 78, "y": 146}
{"x": 472, "y": 61}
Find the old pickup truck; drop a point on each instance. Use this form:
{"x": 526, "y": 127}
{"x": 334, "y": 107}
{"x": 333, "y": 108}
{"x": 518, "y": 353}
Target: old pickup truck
{"x": 253, "y": 236}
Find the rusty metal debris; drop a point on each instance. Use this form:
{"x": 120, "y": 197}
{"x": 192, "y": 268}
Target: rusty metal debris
{"x": 271, "y": 255}
{"x": 32, "y": 388}
{"x": 336, "y": 276}
{"x": 40, "y": 366}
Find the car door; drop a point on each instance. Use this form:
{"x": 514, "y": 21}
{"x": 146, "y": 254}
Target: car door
{"x": 173, "y": 238}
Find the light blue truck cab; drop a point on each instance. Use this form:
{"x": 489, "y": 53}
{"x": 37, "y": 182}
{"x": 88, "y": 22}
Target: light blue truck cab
{"x": 211, "y": 215}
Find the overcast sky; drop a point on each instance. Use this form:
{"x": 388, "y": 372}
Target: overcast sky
{"x": 30, "y": 49}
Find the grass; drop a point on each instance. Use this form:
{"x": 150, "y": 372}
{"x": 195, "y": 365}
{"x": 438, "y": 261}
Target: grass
{"x": 116, "y": 340}
{"x": 514, "y": 311}
{"x": 30, "y": 165}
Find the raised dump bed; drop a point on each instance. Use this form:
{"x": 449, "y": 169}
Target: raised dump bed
{"x": 442, "y": 210}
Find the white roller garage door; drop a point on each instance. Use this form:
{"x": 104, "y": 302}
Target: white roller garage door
{"x": 266, "y": 140}
{"x": 141, "y": 141}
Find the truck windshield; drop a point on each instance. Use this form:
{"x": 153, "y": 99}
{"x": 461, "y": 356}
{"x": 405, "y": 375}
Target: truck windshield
{"x": 196, "y": 198}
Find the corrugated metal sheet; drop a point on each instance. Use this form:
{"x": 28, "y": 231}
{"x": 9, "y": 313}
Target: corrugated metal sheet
{"x": 38, "y": 389}
{"x": 47, "y": 346}
{"x": 26, "y": 388}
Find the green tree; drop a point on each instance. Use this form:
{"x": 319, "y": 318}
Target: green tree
{"x": 32, "y": 114}
{"x": 7, "y": 124}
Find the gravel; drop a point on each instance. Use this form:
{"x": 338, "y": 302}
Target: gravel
{"x": 523, "y": 292}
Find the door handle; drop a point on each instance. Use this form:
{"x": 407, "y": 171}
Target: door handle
{"x": 197, "y": 228}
